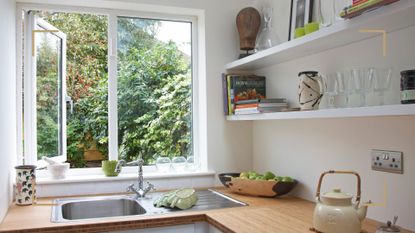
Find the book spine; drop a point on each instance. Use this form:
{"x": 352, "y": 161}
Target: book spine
{"x": 230, "y": 95}
{"x": 279, "y": 100}
{"x": 250, "y": 111}
{"x": 247, "y": 101}
{"x": 272, "y": 105}
{"x": 225, "y": 95}
{"x": 242, "y": 106}
{"x": 357, "y": 2}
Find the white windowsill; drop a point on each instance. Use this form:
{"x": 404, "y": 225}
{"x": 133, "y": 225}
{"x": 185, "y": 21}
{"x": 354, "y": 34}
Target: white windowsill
{"x": 126, "y": 176}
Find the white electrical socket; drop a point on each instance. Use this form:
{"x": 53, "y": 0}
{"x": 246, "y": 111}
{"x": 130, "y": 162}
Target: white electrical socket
{"x": 387, "y": 161}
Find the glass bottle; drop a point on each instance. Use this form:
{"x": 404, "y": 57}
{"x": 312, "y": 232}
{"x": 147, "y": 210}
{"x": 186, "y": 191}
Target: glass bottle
{"x": 267, "y": 38}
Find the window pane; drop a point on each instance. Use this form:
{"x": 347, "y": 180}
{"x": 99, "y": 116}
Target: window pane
{"x": 49, "y": 94}
{"x": 87, "y": 85}
{"x": 154, "y": 88}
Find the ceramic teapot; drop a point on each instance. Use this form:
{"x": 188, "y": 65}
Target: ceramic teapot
{"x": 310, "y": 90}
{"x": 335, "y": 212}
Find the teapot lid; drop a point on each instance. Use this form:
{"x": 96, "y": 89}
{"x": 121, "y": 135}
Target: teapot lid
{"x": 312, "y": 73}
{"x": 337, "y": 194}
{"x": 337, "y": 197}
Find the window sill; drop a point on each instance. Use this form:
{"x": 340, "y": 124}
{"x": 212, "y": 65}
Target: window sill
{"x": 120, "y": 177}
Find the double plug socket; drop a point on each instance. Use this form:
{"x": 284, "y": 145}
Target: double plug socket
{"x": 387, "y": 161}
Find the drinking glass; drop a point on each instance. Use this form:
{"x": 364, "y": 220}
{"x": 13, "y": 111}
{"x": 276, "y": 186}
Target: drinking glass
{"x": 356, "y": 87}
{"x": 330, "y": 89}
{"x": 190, "y": 163}
{"x": 371, "y": 97}
{"x": 341, "y": 99}
{"x": 163, "y": 164}
{"x": 179, "y": 163}
{"x": 382, "y": 84}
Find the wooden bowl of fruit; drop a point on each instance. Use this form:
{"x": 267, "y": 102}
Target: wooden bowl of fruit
{"x": 262, "y": 185}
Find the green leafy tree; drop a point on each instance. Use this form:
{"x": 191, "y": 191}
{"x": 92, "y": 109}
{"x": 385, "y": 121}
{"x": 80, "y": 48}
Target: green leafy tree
{"x": 154, "y": 88}
{"x": 87, "y": 81}
{"x": 154, "y": 102}
{"x": 47, "y": 96}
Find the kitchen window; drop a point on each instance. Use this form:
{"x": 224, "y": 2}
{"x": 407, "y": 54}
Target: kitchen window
{"x": 106, "y": 85}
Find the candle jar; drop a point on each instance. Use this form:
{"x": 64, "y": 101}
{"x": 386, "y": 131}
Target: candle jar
{"x": 408, "y": 87}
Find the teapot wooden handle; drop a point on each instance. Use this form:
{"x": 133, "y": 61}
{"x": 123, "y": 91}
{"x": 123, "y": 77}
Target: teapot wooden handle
{"x": 340, "y": 172}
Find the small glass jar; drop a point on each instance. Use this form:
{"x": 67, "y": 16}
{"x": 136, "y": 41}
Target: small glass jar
{"x": 179, "y": 163}
{"x": 408, "y": 87}
{"x": 163, "y": 164}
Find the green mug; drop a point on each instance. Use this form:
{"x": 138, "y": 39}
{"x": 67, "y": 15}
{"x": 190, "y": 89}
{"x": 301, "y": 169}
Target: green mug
{"x": 108, "y": 166}
{"x": 311, "y": 27}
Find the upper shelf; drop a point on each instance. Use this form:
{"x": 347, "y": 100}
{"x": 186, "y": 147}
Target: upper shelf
{"x": 390, "y": 18}
{"x": 386, "y": 110}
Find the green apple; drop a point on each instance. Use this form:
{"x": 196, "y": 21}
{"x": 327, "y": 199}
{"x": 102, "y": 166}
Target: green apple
{"x": 244, "y": 175}
{"x": 260, "y": 178}
{"x": 269, "y": 175}
{"x": 287, "y": 179}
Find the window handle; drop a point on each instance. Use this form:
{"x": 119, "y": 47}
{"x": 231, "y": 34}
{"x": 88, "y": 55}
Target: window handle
{"x": 69, "y": 101}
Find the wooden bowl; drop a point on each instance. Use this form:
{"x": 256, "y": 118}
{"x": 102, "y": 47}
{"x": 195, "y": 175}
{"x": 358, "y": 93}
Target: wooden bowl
{"x": 226, "y": 177}
{"x": 260, "y": 188}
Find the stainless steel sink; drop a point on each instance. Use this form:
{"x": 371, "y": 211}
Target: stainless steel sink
{"x": 69, "y": 209}
{"x": 100, "y": 208}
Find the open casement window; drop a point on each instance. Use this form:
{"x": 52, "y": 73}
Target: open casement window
{"x": 44, "y": 91}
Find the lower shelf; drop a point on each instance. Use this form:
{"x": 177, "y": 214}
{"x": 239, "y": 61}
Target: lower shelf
{"x": 386, "y": 110}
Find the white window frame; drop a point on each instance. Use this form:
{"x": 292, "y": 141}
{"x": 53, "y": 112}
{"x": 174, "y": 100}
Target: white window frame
{"x": 30, "y": 121}
{"x": 195, "y": 17}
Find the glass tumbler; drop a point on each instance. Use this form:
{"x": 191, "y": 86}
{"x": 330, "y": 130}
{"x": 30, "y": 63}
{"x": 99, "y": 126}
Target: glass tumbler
{"x": 330, "y": 91}
{"x": 382, "y": 86}
{"x": 341, "y": 99}
{"x": 356, "y": 87}
{"x": 179, "y": 163}
{"x": 163, "y": 164}
{"x": 371, "y": 97}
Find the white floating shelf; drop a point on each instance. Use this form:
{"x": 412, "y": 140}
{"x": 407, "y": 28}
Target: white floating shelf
{"x": 375, "y": 111}
{"x": 390, "y": 18}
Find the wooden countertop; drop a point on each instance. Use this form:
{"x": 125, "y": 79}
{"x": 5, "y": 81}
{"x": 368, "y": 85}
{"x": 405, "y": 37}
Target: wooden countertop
{"x": 285, "y": 215}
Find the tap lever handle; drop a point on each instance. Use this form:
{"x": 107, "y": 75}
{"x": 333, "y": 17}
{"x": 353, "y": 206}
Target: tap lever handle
{"x": 130, "y": 188}
{"x": 149, "y": 187}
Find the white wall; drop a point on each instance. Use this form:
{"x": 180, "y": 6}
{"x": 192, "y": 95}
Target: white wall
{"x": 7, "y": 102}
{"x": 305, "y": 148}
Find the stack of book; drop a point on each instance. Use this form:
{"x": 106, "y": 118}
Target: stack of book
{"x": 245, "y": 94}
{"x": 360, "y": 6}
{"x": 260, "y": 106}
{"x": 238, "y": 88}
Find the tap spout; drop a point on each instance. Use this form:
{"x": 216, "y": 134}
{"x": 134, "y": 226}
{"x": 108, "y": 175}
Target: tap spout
{"x": 120, "y": 163}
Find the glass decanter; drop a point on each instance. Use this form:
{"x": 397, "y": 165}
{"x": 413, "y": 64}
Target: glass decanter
{"x": 267, "y": 38}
